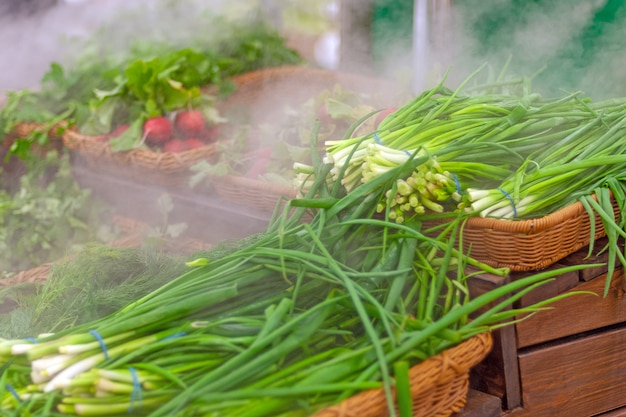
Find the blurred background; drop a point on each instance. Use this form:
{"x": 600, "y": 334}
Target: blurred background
{"x": 561, "y": 44}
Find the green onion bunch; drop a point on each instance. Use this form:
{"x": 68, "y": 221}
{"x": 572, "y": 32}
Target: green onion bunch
{"x": 297, "y": 318}
{"x": 511, "y": 155}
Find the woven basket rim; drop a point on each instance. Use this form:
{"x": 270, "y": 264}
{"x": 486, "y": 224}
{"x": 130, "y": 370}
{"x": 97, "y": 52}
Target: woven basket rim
{"x": 459, "y": 359}
{"x": 71, "y": 135}
{"x": 169, "y": 169}
{"x": 528, "y": 226}
{"x": 260, "y": 76}
{"x": 245, "y": 182}
{"x": 128, "y": 227}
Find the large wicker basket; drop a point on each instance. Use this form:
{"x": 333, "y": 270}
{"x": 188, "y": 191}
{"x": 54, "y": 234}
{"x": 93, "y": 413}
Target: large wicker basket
{"x": 439, "y": 385}
{"x": 258, "y": 195}
{"x": 12, "y": 166}
{"x": 262, "y": 95}
{"x": 169, "y": 169}
{"x": 526, "y": 245}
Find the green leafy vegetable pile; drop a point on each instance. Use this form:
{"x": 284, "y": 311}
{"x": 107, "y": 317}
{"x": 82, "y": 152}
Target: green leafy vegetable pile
{"x": 46, "y": 215}
{"x": 96, "y": 282}
{"x": 151, "y": 76}
{"x": 285, "y": 323}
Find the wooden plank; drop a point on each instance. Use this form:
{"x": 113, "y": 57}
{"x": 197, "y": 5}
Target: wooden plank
{"x": 559, "y": 285}
{"x": 582, "y": 377}
{"x": 480, "y": 404}
{"x": 620, "y": 412}
{"x": 214, "y": 219}
{"x": 576, "y": 314}
{"x": 583, "y": 257}
{"x": 498, "y": 373}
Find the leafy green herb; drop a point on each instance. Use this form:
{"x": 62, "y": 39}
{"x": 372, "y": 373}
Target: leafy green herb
{"x": 47, "y": 216}
{"x": 96, "y": 282}
{"x": 158, "y": 73}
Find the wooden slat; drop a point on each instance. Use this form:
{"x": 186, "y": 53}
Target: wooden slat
{"x": 498, "y": 373}
{"x": 597, "y": 256}
{"x": 559, "y": 285}
{"x": 480, "y": 404}
{"x": 576, "y": 314}
{"x": 620, "y": 412}
{"x": 583, "y": 377}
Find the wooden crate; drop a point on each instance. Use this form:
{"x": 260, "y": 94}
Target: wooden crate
{"x": 566, "y": 361}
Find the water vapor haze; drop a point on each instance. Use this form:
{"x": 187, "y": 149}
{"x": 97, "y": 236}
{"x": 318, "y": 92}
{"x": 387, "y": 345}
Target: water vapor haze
{"x": 569, "y": 45}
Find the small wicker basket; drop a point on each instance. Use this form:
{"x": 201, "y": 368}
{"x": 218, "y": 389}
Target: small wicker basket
{"x": 169, "y": 169}
{"x": 526, "y": 245}
{"x": 259, "y": 195}
{"x": 263, "y": 93}
{"x": 439, "y": 385}
{"x": 12, "y": 166}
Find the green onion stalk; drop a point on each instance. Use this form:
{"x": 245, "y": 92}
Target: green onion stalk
{"x": 295, "y": 319}
{"x": 492, "y": 154}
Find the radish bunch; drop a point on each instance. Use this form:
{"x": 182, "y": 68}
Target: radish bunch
{"x": 184, "y": 130}
{"x": 188, "y": 129}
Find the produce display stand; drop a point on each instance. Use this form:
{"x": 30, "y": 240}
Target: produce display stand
{"x": 213, "y": 219}
{"x": 565, "y": 361}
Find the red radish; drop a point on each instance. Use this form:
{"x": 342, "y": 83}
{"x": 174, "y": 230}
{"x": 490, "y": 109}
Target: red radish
{"x": 382, "y": 115}
{"x": 190, "y": 123}
{"x": 119, "y": 130}
{"x": 158, "y": 130}
{"x": 174, "y": 145}
{"x": 193, "y": 143}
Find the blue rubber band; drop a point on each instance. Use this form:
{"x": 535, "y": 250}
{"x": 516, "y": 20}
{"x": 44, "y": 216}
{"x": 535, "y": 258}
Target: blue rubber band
{"x": 456, "y": 182}
{"x": 173, "y": 336}
{"x": 13, "y": 392}
{"x": 135, "y": 396}
{"x": 31, "y": 339}
{"x": 508, "y": 197}
{"x": 103, "y": 346}
{"x": 380, "y": 142}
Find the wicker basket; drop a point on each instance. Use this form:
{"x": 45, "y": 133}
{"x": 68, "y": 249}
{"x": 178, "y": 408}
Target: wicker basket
{"x": 13, "y": 167}
{"x": 259, "y": 195}
{"x": 262, "y": 94}
{"x": 170, "y": 169}
{"x": 23, "y": 129}
{"x": 526, "y": 245}
{"x": 141, "y": 234}
{"x": 439, "y": 385}
{"x": 129, "y": 237}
